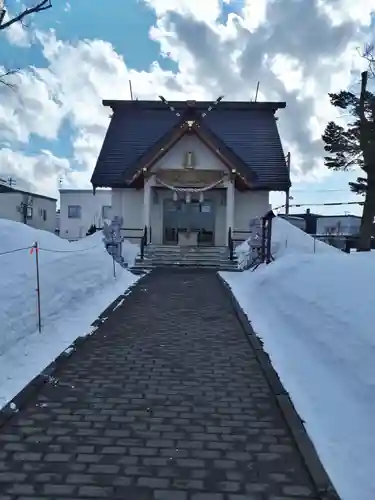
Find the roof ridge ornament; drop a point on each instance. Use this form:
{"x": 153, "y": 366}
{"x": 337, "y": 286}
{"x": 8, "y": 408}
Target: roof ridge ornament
{"x": 212, "y": 106}
{"x": 188, "y": 104}
{"x": 173, "y": 110}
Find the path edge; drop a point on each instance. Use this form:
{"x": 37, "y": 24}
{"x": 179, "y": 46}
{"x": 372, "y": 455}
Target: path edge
{"x": 22, "y": 398}
{"x": 306, "y": 448}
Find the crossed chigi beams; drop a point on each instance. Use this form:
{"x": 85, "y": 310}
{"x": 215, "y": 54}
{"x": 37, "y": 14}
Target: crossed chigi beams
{"x": 203, "y": 114}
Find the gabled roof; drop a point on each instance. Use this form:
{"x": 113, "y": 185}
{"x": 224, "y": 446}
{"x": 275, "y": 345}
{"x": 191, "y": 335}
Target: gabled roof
{"x": 161, "y": 147}
{"x": 245, "y": 133}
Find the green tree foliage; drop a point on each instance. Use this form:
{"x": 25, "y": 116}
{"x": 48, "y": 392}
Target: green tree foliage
{"x": 359, "y": 186}
{"x": 352, "y": 146}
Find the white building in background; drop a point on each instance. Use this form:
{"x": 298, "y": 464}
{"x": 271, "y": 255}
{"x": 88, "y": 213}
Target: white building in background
{"x": 35, "y": 210}
{"x": 345, "y": 225}
{"x": 295, "y": 221}
{"x": 80, "y": 208}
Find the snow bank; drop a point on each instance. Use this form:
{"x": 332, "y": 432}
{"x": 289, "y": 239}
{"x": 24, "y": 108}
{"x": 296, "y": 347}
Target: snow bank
{"x": 316, "y": 316}
{"x": 286, "y": 239}
{"x": 76, "y": 284}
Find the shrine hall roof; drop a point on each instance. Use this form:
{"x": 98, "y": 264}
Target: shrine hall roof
{"x": 245, "y": 133}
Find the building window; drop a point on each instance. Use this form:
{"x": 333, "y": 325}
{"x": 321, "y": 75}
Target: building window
{"x": 74, "y": 211}
{"x": 29, "y": 212}
{"x": 43, "y": 214}
{"x": 106, "y": 211}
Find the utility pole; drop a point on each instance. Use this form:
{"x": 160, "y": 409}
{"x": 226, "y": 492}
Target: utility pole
{"x": 287, "y": 192}
{"x": 24, "y": 208}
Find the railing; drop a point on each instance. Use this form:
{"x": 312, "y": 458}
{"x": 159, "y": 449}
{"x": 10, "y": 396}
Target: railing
{"x": 128, "y": 232}
{"x": 240, "y": 236}
{"x": 230, "y": 243}
{"x": 144, "y": 242}
{"x": 260, "y": 248}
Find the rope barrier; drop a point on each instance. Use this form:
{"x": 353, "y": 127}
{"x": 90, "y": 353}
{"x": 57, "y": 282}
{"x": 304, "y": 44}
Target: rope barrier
{"x": 35, "y": 251}
{"x": 71, "y": 251}
{"x": 50, "y": 250}
{"x": 14, "y": 251}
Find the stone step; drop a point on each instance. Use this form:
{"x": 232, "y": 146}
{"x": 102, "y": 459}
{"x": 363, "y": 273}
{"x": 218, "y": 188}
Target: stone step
{"x": 182, "y": 262}
{"x": 176, "y": 247}
{"x": 187, "y": 257}
{"x": 163, "y": 252}
{"x": 186, "y": 252}
{"x": 157, "y": 256}
{"x": 139, "y": 268}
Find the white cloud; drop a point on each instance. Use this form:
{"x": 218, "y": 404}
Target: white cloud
{"x": 341, "y": 11}
{"x": 300, "y": 65}
{"x": 32, "y": 108}
{"x": 207, "y": 10}
{"x": 71, "y": 88}
{"x": 254, "y": 13}
{"x": 38, "y": 173}
{"x": 17, "y": 34}
{"x": 293, "y": 48}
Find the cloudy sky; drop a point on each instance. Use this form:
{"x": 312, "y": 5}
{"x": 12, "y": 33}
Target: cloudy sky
{"x": 82, "y": 51}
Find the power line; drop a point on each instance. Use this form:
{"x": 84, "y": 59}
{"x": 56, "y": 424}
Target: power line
{"x": 328, "y": 204}
{"x": 320, "y": 191}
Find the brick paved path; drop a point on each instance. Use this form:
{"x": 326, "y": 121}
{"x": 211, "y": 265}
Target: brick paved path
{"x": 166, "y": 401}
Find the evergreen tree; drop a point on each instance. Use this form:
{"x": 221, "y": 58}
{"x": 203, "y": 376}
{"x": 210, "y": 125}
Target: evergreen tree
{"x": 359, "y": 186}
{"x": 354, "y": 145}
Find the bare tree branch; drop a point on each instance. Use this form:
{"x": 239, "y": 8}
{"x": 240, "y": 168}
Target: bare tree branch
{"x": 368, "y": 54}
{"x": 3, "y": 78}
{"x": 39, "y": 7}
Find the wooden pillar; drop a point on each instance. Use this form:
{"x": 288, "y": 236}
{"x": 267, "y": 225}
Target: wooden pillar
{"x": 230, "y": 206}
{"x": 287, "y": 192}
{"x": 147, "y": 200}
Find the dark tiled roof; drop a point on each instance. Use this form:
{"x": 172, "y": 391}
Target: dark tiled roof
{"x": 253, "y": 136}
{"x": 129, "y": 135}
{"x": 7, "y": 189}
{"x": 247, "y": 129}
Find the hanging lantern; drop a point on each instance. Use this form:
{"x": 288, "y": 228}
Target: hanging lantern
{"x": 175, "y": 196}
{"x": 188, "y": 197}
{"x": 201, "y": 197}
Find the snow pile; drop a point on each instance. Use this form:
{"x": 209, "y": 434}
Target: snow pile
{"x": 316, "y": 316}
{"x": 286, "y": 239}
{"x": 76, "y": 285}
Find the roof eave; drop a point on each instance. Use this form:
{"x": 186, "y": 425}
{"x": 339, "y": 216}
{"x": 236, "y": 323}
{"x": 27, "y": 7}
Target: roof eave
{"x": 227, "y": 105}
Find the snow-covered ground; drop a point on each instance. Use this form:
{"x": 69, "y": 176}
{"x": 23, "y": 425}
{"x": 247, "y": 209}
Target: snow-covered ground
{"x": 315, "y": 313}
{"x": 286, "y": 239}
{"x": 76, "y": 284}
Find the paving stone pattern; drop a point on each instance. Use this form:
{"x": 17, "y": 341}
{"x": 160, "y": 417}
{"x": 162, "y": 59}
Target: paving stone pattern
{"x": 166, "y": 401}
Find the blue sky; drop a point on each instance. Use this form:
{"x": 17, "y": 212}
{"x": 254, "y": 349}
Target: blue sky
{"x": 126, "y": 26}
